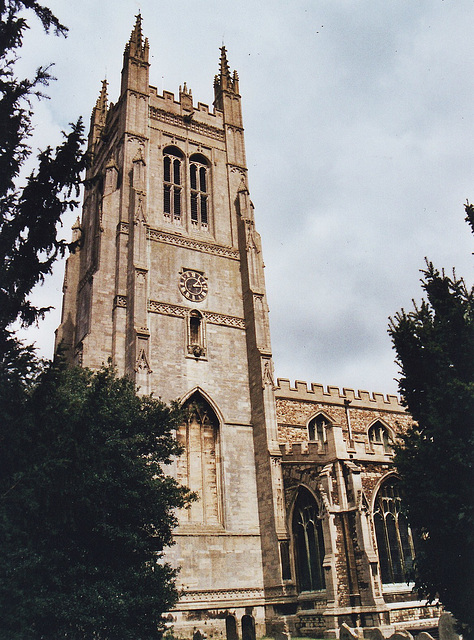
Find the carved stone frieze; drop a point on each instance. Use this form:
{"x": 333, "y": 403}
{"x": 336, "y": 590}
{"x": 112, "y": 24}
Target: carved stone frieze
{"x": 180, "y": 312}
{"x": 218, "y": 595}
{"x": 205, "y": 247}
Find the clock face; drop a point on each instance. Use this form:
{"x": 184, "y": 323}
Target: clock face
{"x": 193, "y": 285}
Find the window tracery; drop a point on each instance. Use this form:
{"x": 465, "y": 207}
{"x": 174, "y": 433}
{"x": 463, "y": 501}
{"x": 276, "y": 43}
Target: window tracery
{"x": 172, "y": 183}
{"x": 317, "y": 429}
{"x": 380, "y": 435}
{"x": 308, "y": 542}
{"x": 394, "y": 538}
{"x": 199, "y": 182}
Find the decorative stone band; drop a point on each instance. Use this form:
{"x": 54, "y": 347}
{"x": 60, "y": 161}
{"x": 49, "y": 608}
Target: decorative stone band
{"x": 205, "y": 247}
{"x": 220, "y": 595}
{"x": 178, "y": 120}
{"x": 180, "y": 312}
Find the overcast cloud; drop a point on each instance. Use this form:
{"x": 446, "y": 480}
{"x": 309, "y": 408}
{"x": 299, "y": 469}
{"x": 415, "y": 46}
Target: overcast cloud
{"x": 359, "y": 118}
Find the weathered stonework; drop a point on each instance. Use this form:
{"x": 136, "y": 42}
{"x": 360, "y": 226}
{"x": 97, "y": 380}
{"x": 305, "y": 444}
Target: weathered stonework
{"x": 167, "y": 208}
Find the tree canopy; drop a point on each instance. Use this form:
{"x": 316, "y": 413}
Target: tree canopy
{"x": 85, "y": 508}
{"x": 29, "y": 215}
{"x": 435, "y": 351}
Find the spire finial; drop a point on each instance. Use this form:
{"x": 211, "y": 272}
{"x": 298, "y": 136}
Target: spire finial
{"x": 137, "y": 47}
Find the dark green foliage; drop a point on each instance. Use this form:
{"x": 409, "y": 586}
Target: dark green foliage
{"x": 29, "y": 216}
{"x": 85, "y": 508}
{"x": 435, "y": 352}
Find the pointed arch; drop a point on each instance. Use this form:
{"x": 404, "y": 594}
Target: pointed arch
{"x": 199, "y": 178}
{"x": 380, "y": 436}
{"x": 199, "y": 467}
{"x": 317, "y": 426}
{"x": 307, "y": 541}
{"x": 393, "y": 534}
{"x": 173, "y": 179}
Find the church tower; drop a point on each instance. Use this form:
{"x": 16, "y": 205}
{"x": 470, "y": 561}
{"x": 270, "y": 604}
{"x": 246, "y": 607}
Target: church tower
{"x": 168, "y": 284}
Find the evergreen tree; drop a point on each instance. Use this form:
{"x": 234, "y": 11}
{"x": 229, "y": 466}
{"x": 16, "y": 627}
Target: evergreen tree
{"x": 86, "y": 509}
{"x": 29, "y": 216}
{"x": 435, "y": 351}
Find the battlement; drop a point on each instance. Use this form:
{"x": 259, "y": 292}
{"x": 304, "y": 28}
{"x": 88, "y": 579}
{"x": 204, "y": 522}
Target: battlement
{"x": 297, "y": 450}
{"x": 318, "y": 393}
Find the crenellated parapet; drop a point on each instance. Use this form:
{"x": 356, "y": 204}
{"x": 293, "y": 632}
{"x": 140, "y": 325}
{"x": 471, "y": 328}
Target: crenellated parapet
{"x": 313, "y": 392}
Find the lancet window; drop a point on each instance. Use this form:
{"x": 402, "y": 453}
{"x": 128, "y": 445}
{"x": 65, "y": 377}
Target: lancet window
{"x": 199, "y": 466}
{"x": 393, "y": 533}
{"x": 199, "y": 182}
{"x": 308, "y": 542}
{"x": 173, "y": 183}
{"x": 196, "y": 334}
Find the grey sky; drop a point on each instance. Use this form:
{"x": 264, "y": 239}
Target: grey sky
{"x": 359, "y": 117}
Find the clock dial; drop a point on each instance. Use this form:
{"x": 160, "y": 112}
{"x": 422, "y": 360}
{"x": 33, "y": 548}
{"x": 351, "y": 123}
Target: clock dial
{"x": 193, "y": 285}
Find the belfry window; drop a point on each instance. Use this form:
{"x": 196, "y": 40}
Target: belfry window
{"x": 379, "y": 435}
{"x": 393, "y": 533}
{"x": 199, "y": 180}
{"x": 172, "y": 183}
{"x": 317, "y": 429}
{"x": 199, "y": 466}
{"x": 308, "y": 542}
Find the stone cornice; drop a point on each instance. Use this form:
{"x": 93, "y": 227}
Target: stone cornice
{"x": 179, "y": 311}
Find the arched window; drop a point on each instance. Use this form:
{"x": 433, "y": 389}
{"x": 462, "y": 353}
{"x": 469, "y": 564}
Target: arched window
{"x": 199, "y": 180}
{"x": 172, "y": 183}
{"x": 394, "y": 538}
{"x": 379, "y": 435}
{"x": 308, "y": 542}
{"x": 199, "y": 466}
{"x": 317, "y": 429}
{"x": 196, "y": 335}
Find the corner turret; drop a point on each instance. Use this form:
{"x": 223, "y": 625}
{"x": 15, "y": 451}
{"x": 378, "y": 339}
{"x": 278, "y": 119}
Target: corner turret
{"x": 135, "y": 71}
{"x": 226, "y": 92}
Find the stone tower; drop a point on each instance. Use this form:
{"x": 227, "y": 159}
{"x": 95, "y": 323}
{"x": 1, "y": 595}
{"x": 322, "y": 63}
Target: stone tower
{"x": 168, "y": 284}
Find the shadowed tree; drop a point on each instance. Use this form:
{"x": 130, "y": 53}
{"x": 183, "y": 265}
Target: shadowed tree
{"x": 86, "y": 508}
{"x": 435, "y": 351}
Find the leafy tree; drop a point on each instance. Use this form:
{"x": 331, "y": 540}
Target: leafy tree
{"x": 435, "y": 351}
{"x": 29, "y": 216}
{"x": 86, "y": 508}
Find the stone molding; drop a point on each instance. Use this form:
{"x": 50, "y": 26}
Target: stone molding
{"x": 205, "y": 247}
{"x": 220, "y": 595}
{"x": 178, "y": 120}
{"x": 178, "y": 311}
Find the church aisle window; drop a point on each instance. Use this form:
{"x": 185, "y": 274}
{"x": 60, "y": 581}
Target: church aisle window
{"x": 394, "y": 537}
{"x": 308, "y": 542}
{"x": 173, "y": 183}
